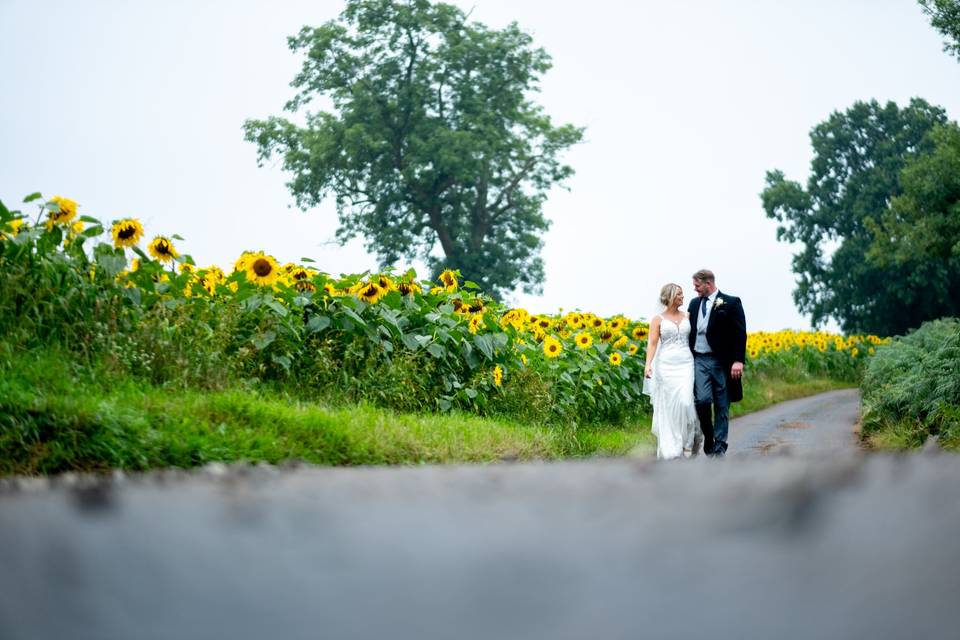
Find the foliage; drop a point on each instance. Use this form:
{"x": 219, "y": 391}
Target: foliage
{"x": 859, "y": 156}
{"x": 912, "y": 388}
{"x": 945, "y": 18}
{"x": 96, "y": 333}
{"x": 921, "y": 229}
{"x": 432, "y": 138}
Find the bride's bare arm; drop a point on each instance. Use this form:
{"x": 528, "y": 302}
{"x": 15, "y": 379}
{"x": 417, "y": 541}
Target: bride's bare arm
{"x": 652, "y": 341}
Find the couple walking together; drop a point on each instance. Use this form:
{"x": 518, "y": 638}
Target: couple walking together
{"x": 694, "y": 368}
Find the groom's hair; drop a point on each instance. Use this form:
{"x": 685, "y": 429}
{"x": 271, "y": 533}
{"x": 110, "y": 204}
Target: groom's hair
{"x": 704, "y": 275}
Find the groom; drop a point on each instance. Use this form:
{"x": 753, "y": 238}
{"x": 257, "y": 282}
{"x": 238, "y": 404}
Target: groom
{"x": 718, "y": 339}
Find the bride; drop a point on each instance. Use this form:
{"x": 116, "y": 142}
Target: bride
{"x": 669, "y": 373}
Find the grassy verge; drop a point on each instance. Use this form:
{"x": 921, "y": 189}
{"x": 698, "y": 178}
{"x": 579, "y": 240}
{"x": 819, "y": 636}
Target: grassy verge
{"x": 56, "y": 416}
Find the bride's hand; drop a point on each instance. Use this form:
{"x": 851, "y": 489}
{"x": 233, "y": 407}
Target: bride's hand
{"x": 648, "y": 372}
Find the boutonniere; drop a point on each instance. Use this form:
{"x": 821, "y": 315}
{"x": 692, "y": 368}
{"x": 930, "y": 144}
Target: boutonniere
{"x": 719, "y": 303}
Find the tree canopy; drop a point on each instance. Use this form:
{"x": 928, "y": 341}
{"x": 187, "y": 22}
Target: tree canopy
{"x": 867, "y": 184}
{"x": 945, "y": 18}
{"x": 432, "y": 140}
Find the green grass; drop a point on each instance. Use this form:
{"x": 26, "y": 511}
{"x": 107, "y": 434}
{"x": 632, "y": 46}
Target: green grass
{"x": 57, "y": 416}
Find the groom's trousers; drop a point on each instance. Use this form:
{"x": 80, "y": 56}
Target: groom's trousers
{"x": 710, "y": 392}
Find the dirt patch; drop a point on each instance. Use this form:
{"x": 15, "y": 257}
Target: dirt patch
{"x": 795, "y": 425}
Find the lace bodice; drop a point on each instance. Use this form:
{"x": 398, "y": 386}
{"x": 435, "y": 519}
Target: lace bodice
{"x": 672, "y": 334}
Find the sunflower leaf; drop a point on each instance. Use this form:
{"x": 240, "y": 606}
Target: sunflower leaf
{"x": 317, "y": 323}
{"x": 485, "y": 344}
{"x": 436, "y": 350}
{"x": 279, "y": 308}
{"x": 263, "y": 340}
{"x": 176, "y": 236}
{"x": 307, "y": 260}
{"x": 32, "y": 197}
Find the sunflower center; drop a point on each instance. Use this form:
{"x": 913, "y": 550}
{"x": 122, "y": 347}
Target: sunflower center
{"x": 262, "y": 267}
{"x": 163, "y": 247}
{"x": 126, "y": 233}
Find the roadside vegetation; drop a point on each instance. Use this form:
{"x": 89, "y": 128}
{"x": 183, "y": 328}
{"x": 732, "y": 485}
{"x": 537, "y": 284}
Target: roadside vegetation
{"x": 911, "y": 389}
{"x": 112, "y": 356}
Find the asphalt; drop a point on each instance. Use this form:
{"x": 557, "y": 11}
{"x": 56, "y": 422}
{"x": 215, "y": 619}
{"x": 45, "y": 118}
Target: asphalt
{"x": 835, "y": 545}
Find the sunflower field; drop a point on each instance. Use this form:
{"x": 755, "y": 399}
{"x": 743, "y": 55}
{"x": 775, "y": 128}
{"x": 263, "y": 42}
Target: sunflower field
{"x": 132, "y": 300}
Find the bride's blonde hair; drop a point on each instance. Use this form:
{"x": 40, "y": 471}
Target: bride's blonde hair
{"x": 668, "y": 293}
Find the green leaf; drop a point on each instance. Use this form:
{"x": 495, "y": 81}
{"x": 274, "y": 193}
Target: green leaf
{"x": 263, "y": 340}
{"x": 278, "y": 308}
{"x": 485, "y": 344}
{"x": 307, "y": 260}
{"x": 317, "y": 323}
{"x": 436, "y": 350}
{"x": 176, "y": 236}
{"x": 283, "y": 360}
{"x": 33, "y": 196}
{"x": 470, "y": 285}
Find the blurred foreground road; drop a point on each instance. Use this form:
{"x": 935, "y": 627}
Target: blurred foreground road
{"x": 775, "y": 546}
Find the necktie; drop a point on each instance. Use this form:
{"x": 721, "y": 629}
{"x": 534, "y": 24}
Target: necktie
{"x": 703, "y": 307}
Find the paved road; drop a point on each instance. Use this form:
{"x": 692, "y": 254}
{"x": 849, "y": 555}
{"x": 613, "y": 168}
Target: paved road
{"x": 818, "y": 425}
{"x": 747, "y": 547}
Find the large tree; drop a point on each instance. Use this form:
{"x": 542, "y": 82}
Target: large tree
{"x": 859, "y": 156}
{"x": 945, "y": 17}
{"x": 921, "y": 228}
{"x": 431, "y": 139}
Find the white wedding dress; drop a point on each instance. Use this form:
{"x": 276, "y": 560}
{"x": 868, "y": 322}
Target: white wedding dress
{"x": 675, "y": 422}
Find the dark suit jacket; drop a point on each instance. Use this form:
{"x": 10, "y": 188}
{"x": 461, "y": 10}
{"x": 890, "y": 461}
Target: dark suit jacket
{"x": 726, "y": 333}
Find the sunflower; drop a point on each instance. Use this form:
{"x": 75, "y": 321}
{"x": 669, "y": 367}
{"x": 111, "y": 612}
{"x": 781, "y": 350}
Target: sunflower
{"x": 126, "y": 233}
{"x": 409, "y": 288}
{"x": 640, "y": 332}
{"x": 330, "y": 290}
{"x": 620, "y": 343}
{"x": 476, "y": 321}
{"x": 596, "y": 323}
{"x": 243, "y": 261}
{"x": 262, "y": 269}
{"x": 617, "y": 323}
{"x": 632, "y": 349}
{"x": 14, "y": 227}
{"x": 212, "y": 276}
{"x": 583, "y": 340}
{"x": 616, "y": 358}
{"x": 162, "y": 249}
{"x": 497, "y": 376}
{"x": 552, "y": 347}
{"x": 66, "y": 210}
{"x": 386, "y": 283}
{"x": 371, "y": 292}
{"x": 449, "y": 280}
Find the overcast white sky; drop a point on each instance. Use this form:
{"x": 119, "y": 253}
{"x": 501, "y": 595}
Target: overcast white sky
{"x": 135, "y": 109}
